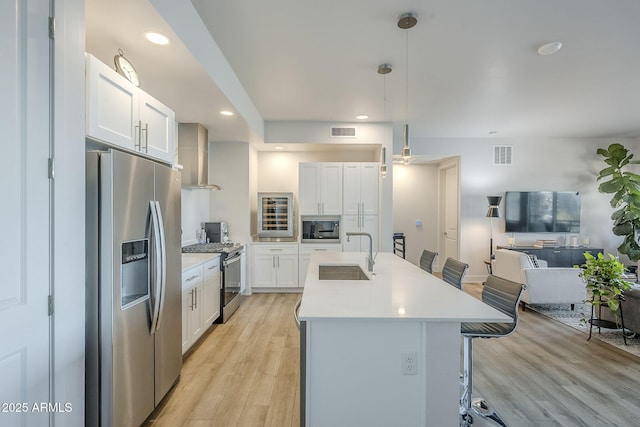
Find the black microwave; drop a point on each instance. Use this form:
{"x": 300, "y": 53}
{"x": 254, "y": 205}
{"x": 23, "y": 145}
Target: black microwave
{"x": 320, "y": 229}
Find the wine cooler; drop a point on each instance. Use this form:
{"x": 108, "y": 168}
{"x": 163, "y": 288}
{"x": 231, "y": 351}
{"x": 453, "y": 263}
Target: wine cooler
{"x": 275, "y": 214}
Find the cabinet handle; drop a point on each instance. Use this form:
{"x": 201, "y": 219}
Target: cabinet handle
{"x": 192, "y": 278}
{"x": 138, "y": 130}
{"x": 278, "y": 261}
{"x": 146, "y": 137}
{"x": 195, "y": 291}
{"x": 191, "y": 295}
{"x": 273, "y": 261}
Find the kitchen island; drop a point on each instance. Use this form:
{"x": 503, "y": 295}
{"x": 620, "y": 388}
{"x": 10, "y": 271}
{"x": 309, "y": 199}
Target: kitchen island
{"x": 383, "y": 351}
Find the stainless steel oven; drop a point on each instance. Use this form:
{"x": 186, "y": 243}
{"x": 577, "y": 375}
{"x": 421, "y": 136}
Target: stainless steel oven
{"x": 231, "y": 269}
{"x": 320, "y": 229}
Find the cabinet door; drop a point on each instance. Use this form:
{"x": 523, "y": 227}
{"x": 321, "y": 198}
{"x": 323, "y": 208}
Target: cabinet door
{"x": 264, "y": 271}
{"x": 158, "y": 128}
{"x": 308, "y": 191}
{"x": 287, "y": 275}
{"x": 558, "y": 257}
{"x": 195, "y": 314}
{"x": 369, "y": 225}
{"x": 211, "y": 299}
{"x": 186, "y": 311}
{"x": 331, "y": 189}
{"x": 112, "y": 105}
{"x": 351, "y": 189}
{"x": 350, "y": 223}
{"x": 369, "y": 182}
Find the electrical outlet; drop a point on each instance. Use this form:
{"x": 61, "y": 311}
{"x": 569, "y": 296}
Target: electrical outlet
{"x": 409, "y": 363}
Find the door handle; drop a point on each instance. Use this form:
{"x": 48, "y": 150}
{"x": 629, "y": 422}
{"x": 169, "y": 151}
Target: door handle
{"x": 146, "y": 138}
{"x": 138, "y": 130}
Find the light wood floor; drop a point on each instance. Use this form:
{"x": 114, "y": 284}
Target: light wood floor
{"x": 245, "y": 373}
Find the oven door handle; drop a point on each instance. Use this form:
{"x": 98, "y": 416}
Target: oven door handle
{"x": 227, "y": 262}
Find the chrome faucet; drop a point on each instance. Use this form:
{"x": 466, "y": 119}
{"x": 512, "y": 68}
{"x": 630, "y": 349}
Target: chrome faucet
{"x": 370, "y": 261}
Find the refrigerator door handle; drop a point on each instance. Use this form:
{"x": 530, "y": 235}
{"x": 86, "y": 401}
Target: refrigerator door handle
{"x": 159, "y": 264}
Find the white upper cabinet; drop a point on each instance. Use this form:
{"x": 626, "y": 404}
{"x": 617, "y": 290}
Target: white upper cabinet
{"x": 320, "y": 190}
{"x": 123, "y": 115}
{"x": 360, "y": 192}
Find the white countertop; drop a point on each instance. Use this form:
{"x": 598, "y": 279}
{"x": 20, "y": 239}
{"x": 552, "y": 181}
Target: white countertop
{"x": 191, "y": 259}
{"x": 399, "y": 290}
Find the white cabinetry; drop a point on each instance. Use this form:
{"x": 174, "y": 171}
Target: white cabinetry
{"x": 192, "y": 292}
{"x": 306, "y": 249}
{"x": 123, "y": 115}
{"x": 320, "y": 189}
{"x": 275, "y": 266}
{"x": 360, "y": 191}
{"x": 200, "y": 300}
{"x": 211, "y": 292}
{"x": 360, "y": 205}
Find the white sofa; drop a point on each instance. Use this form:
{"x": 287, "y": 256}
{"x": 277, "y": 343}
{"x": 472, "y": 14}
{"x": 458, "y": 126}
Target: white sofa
{"x": 543, "y": 285}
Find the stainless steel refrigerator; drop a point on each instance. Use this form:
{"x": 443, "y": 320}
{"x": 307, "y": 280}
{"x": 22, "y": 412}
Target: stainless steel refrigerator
{"x": 133, "y": 287}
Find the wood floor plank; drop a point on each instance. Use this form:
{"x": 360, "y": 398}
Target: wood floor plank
{"x": 245, "y": 373}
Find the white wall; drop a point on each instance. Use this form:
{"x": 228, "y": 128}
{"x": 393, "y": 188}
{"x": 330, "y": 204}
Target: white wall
{"x": 229, "y": 168}
{"x": 194, "y": 211}
{"x": 538, "y": 164}
{"x": 415, "y": 198}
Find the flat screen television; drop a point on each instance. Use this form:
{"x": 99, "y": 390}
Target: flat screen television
{"x": 542, "y": 212}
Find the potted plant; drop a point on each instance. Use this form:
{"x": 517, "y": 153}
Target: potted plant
{"x": 604, "y": 282}
{"x": 625, "y": 187}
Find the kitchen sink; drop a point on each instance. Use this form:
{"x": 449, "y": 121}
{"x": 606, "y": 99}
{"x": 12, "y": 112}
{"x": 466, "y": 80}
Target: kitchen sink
{"x": 341, "y": 272}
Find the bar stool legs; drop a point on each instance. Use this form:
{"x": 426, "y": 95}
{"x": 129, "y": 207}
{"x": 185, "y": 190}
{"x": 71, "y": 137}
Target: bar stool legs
{"x": 470, "y": 407}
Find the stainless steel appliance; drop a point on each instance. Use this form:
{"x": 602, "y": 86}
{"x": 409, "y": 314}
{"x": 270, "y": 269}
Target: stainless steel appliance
{"x": 231, "y": 270}
{"x": 320, "y": 229}
{"x": 275, "y": 215}
{"x": 217, "y": 232}
{"x": 133, "y": 287}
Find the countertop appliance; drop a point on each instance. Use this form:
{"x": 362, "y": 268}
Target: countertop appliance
{"x": 217, "y": 232}
{"x": 320, "y": 229}
{"x": 231, "y": 270}
{"x": 133, "y": 287}
{"x": 275, "y": 215}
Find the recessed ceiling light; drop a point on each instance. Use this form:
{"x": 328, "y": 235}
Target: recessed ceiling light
{"x": 157, "y": 38}
{"x": 549, "y": 48}
{"x": 362, "y": 116}
{"x": 493, "y": 132}
{"x": 226, "y": 113}
{"x": 278, "y": 148}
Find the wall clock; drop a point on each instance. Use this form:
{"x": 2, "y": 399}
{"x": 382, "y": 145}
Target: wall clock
{"x": 125, "y": 68}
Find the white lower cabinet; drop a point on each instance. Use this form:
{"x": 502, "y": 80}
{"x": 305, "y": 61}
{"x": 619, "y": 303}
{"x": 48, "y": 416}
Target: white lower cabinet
{"x": 275, "y": 266}
{"x": 200, "y": 300}
{"x": 211, "y": 291}
{"x": 363, "y": 224}
{"x": 306, "y": 249}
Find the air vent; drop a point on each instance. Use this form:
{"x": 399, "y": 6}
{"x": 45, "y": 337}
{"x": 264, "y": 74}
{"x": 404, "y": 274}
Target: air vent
{"x": 343, "y": 132}
{"x": 502, "y": 154}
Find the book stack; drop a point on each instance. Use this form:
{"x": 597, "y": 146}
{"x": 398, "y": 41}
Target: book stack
{"x": 546, "y": 243}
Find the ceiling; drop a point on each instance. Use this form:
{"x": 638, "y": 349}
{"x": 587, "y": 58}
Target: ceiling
{"x": 473, "y": 66}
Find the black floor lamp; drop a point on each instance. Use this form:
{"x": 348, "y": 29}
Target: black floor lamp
{"x": 493, "y": 212}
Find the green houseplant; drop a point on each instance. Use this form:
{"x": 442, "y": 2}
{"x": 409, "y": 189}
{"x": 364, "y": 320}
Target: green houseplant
{"x": 625, "y": 187}
{"x": 603, "y": 278}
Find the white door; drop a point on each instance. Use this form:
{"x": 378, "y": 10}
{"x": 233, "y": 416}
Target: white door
{"x": 308, "y": 191}
{"x": 449, "y": 212}
{"x": 331, "y": 189}
{"x": 112, "y": 106}
{"x": 25, "y": 222}
{"x": 369, "y": 183}
{"x": 158, "y": 128}
{"x": 351, "y": 189}
{"x": 287, "y": 270}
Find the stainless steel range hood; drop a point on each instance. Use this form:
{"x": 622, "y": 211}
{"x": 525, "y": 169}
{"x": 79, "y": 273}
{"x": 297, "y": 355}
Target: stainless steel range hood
{"x": 193, "y": 154}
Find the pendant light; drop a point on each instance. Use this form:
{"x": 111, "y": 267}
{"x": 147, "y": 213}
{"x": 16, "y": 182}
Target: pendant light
{"x": 384, "y": 69}
{"x": 406, "y": 21}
